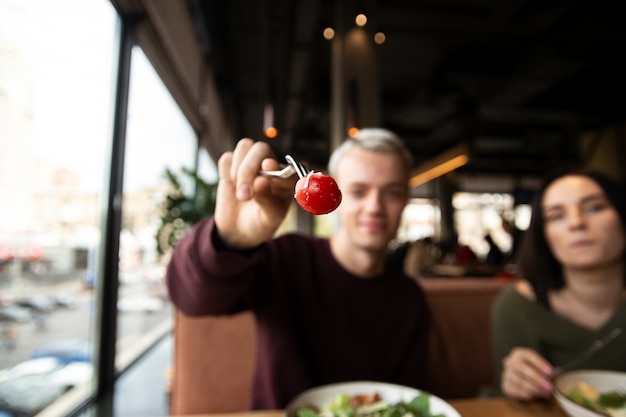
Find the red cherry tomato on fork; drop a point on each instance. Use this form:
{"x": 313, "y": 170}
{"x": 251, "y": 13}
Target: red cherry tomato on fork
{"x": 317, "y": 193}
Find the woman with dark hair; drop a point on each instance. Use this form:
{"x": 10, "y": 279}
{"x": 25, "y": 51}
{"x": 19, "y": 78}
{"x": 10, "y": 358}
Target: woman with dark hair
{"x": 573, "y": 289}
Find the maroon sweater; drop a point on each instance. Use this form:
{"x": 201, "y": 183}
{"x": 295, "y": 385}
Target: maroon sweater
{"x": 316, "y": 322}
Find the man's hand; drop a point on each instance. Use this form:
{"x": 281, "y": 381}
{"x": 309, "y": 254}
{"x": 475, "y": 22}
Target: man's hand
{"x": 250, "y": 207}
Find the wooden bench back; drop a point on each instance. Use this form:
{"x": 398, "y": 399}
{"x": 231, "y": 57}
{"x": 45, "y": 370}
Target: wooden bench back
{"x": 214, "y": 356}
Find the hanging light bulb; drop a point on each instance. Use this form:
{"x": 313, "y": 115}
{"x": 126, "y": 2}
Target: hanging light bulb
{"x": 360, "y": 19}
{"x": 329, "y": 33}
{"x": 268, "y": 121}
{"x": 380, "y": 38}
{"x": 352, "y": 116}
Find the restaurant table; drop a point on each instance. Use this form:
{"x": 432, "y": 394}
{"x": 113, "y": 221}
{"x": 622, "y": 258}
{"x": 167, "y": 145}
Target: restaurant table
{"x": 491, "y": 407}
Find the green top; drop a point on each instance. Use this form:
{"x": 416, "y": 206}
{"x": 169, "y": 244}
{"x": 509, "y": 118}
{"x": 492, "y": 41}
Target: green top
{"x": 518, "y": 321}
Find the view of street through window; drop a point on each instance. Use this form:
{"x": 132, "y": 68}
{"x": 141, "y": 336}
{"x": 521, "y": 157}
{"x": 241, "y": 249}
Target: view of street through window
{"x": 58, "y": 62}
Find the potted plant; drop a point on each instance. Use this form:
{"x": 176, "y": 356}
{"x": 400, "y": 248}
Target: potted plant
{"x": 181, "y": 210}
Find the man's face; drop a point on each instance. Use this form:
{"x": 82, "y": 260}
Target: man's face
{"x": 375, "y": 191}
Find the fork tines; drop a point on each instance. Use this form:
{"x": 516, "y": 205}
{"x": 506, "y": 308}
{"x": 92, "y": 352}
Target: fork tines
{"x": 301, "y": 170}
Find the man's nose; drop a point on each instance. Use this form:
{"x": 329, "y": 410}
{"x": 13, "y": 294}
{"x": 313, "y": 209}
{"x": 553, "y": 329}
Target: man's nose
{"x": 374, "y": 201}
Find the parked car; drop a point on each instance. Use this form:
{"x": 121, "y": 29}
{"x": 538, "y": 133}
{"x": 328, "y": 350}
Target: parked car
{"x": 15, "y": 313}
{"x": 66, "y": 351}
{"x": 60, "y": 371}
{"x": 64, "y": 300}
{"x": 29, "y": 394}
{"x": 73, "y": 374}
{"x": 37, "y": 303}
{"x": 30, "y": 386}
{"x": 37, "y": 366}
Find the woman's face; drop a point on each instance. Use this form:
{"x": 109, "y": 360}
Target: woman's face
{"x": 582, "y": 228}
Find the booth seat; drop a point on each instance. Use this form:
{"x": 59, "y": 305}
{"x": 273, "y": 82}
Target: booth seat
{"x": 214, "y": 356}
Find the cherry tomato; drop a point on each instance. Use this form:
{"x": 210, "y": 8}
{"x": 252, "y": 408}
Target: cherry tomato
{"x": 317, "y": 193}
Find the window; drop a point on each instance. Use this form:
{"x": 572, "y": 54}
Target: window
{"x": 420, "y": 219}
{"x": 476, "y": 214}
{"x": 154, "y": 125}
{"x": 57, "y": 67}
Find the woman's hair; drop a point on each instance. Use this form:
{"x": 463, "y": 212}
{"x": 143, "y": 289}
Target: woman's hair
{"x": 373, "y": 139}
{"x": 536, "y": 261}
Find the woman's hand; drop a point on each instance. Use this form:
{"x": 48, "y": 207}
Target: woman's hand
{"x": 250, "y": 207}
{"x": 526, "y": 375}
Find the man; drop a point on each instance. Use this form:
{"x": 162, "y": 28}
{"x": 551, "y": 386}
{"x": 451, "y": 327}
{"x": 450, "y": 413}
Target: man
{"x": 327, "y": 310}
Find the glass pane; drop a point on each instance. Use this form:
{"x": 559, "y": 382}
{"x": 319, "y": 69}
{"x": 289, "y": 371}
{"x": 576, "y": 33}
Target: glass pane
{"x": 420, "y": 219}
{"x": 479, "y": 214}
{"x": 158, "y": 138}
{"x": 57, "y": 67}
{"x": 206, "y": 167}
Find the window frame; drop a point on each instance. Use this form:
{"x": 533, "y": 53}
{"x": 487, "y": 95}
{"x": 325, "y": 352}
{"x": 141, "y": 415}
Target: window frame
{"x": 109, "y": 365}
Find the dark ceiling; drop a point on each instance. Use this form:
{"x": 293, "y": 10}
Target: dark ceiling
{"x": 518, "y": 80}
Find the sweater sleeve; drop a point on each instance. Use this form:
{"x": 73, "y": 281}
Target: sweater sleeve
{"x": 204, "y": 279}
{"x": 509, "y": 321}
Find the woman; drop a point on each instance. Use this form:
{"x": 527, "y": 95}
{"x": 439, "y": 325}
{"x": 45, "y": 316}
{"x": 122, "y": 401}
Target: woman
{"x": 573, "y": 291}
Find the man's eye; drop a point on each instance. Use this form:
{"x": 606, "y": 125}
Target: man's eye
{"x": 357, "y": 193}
{"x": 396, "y": 194}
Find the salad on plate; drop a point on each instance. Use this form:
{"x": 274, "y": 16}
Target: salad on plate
{"x": 612, "y": 404}
{"x": 370, "y": 405}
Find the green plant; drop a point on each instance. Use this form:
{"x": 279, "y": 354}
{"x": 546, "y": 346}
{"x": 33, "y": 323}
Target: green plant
{"x": 180, "y": 211}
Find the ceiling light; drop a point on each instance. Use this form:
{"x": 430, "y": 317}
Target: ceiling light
{"x": 271, "y": 132}
{"x": 360, "y": 19}
{"x": 268, "y": 121}
{"x": 352, "y": 112}
{"x": 380, "y": 38}
{"x": 442, "y": 164}
{"x": 329, "y": 33}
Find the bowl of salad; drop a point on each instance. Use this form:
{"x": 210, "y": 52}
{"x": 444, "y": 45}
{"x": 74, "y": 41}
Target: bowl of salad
{"x": 591, "y": 393}
{"x": 368, "y": 399}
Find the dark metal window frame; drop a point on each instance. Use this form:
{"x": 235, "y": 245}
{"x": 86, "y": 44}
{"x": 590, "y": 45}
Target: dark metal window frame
{"x": 100, "y": 401}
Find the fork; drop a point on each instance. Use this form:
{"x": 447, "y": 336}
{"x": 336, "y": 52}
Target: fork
{"x": 596, "y": 346}
{"x": 293, "y": 167}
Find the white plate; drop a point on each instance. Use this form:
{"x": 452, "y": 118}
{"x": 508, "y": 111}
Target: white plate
{"x": 391, "y": 393}
{"x": 601, "y": 381}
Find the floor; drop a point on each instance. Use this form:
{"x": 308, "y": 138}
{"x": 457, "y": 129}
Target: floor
{"x": 142, "y": 391}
